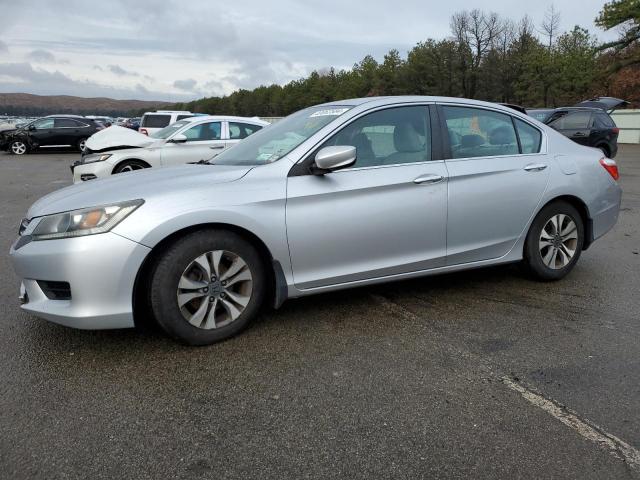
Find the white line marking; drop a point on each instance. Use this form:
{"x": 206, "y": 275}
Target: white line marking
{"x": 589, "y": 430}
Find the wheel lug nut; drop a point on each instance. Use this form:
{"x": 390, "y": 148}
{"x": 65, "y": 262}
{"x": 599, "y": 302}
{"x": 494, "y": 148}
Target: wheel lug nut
{"x": 222, "y": 295}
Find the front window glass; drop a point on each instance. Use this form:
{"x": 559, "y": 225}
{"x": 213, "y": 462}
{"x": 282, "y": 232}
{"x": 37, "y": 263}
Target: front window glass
{"x": 475, "y": 132}
{"x": 166, "y": 132}
{"x": 388, "y": 137}
{"x": 43, "y": 123}
{"x": 277, "y": 140}
{"x": 204, "y": 131}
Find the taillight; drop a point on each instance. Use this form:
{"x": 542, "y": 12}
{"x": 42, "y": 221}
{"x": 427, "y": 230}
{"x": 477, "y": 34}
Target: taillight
{"x": 143, "y": 131}
{"x": 610, "y": 166}
{"x": 615, "y": 130}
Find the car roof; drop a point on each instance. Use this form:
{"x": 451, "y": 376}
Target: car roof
{"x": 391, "y": 100}
{"x": 229, "y": 118}
{"x": 79, "y": 117}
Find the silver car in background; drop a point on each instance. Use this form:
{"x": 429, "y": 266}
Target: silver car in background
{"x": 339, "y": 195}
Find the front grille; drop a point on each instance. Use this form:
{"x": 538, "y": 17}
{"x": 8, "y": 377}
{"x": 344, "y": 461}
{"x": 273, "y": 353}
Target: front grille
{"x": 55, "y": 290}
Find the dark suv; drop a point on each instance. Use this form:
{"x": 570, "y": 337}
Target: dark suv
{"x": 54, "y": 131}
{"x": 587, "y": 123}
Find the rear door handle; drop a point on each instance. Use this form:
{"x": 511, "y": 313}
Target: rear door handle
{"x": 579, "y": 134}
{"x": 535, "y": 167}
{"x": 429, "y": 178}
{"x": 216, "y": 147}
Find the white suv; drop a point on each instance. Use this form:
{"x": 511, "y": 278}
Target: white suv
{"x": 191, "y": 140}
{"x": 154, "y": 121}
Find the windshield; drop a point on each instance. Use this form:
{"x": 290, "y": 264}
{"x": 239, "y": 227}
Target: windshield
{"x": 277, "y": 140}
{"x": 166, "y": 132}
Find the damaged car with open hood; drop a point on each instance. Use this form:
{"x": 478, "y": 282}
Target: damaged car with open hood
{"x": 118, "y": 150}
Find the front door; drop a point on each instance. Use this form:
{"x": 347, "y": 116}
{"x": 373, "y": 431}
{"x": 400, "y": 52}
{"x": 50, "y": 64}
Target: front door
{"x": 44, "y": 134}
{"x": 204, "y": 142}
{"x": 497, "y": 176}
{"x": 384, "y": 216}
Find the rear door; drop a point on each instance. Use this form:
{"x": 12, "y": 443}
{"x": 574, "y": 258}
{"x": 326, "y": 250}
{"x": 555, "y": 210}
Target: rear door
{"x": 204, "y": 142}
{"x": 497, "y": 176}
{"x": 384, "y": 216}
{"x": 69, "y": 131}
{"x": 576, "y": 125}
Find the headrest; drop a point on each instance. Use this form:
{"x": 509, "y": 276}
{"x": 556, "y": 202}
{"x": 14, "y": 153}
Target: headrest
{"x": 406, "y": 139}
{"x": 501, "y": 136}
{"x": 470, "y": 141}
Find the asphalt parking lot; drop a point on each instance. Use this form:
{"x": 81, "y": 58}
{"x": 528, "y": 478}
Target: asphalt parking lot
{"x": 481, "y": 374}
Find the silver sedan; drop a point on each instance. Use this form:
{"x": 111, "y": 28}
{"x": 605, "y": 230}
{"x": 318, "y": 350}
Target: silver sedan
{"x": 335, "y": 196}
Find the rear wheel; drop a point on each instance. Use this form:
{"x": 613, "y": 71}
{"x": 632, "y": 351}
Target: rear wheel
{"x": 18, "y": 147}
{"x": 130, "y": 166}
{"x": 554, "y": 241}
{"x": 82, "y": 143}
{"x": 605, "y": 151}
{"x": 207, "y": 287}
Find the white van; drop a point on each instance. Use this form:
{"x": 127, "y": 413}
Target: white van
{"x": 155, "y": 121}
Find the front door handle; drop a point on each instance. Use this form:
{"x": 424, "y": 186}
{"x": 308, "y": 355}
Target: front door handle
{"x": 535, "y": 167}
{"x": 429, "y": 178}
{"x": 216, "y": 147}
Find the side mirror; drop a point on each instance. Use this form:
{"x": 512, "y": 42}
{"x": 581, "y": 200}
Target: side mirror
{"x": 334, "y": 158}
{"x": 180, "y": 138}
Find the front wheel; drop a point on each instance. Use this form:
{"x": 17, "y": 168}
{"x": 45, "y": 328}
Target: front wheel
{"x": 554, "y": 241}
{"x": 18, "y": 147}
{"x": 207, "y": 287}
{"x": 130, "y": 166}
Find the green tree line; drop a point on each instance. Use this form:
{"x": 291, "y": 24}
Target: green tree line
{"x": 486, "y": 57}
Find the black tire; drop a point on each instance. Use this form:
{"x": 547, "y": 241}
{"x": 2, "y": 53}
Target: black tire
{"x": 533, "y": 256}
{"x": 130, "y": 166}
{"x": 170, "y": 267}
{"x": 18, "y": 147}
{"x": 80, "y": 144}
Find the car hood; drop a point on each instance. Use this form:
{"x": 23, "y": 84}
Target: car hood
{"x": 117, "y": 137}
{"x": 142, "y": 184}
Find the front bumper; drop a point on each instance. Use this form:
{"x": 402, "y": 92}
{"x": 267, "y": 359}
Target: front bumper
{"x": 90, "y": 171}
{"x": 100, "y": 269}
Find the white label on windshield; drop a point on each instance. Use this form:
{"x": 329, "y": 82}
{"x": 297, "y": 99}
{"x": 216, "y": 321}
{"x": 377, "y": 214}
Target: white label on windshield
{"x": 331, "y": 112}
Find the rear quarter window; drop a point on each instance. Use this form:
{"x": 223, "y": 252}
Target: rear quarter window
{"x": 155, "y": 121}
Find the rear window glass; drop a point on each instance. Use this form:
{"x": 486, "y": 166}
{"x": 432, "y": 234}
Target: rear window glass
{"x": 155, "y": 121}
{"x": 68, "y": 122}
{"x": 238, "y": 131}
{"x": 572, "y": 121}
{"x": 530, "y": 137}
{"x": 603, "y": 120}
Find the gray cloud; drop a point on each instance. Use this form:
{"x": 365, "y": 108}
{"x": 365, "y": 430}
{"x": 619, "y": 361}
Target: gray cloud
{"x": 187, "y": 84}
{"x": 3, "y": 47}
{"x": 41, "y": 56}
{"x": 118, "y": 70}
{"x": 42, "y": 82}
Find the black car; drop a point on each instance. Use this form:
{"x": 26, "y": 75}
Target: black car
{"x": 587, "y": 123}
{"x": 54, "y": 131}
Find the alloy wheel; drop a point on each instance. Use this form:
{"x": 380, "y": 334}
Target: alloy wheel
{"x": 18, "y": 148}
{"x": 558, "y": 241}
{"x": 131, "y": 167}
{"x": 214, "y": 289}
{"x": 82, "y": 145}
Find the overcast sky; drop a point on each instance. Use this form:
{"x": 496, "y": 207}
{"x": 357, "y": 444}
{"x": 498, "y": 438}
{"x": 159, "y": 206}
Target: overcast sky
{"x": 177, "y": 50}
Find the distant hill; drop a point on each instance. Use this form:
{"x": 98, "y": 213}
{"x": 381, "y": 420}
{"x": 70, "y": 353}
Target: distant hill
{"x": 27, "y": 104}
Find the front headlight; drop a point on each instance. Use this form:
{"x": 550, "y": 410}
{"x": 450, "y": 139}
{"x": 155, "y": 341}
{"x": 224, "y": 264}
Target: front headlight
{"x": 77, "y": 223}
{"x": 99, "y": 157}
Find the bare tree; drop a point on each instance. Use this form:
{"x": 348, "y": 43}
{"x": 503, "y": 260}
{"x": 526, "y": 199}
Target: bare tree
{"x": 551, "y": 24}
